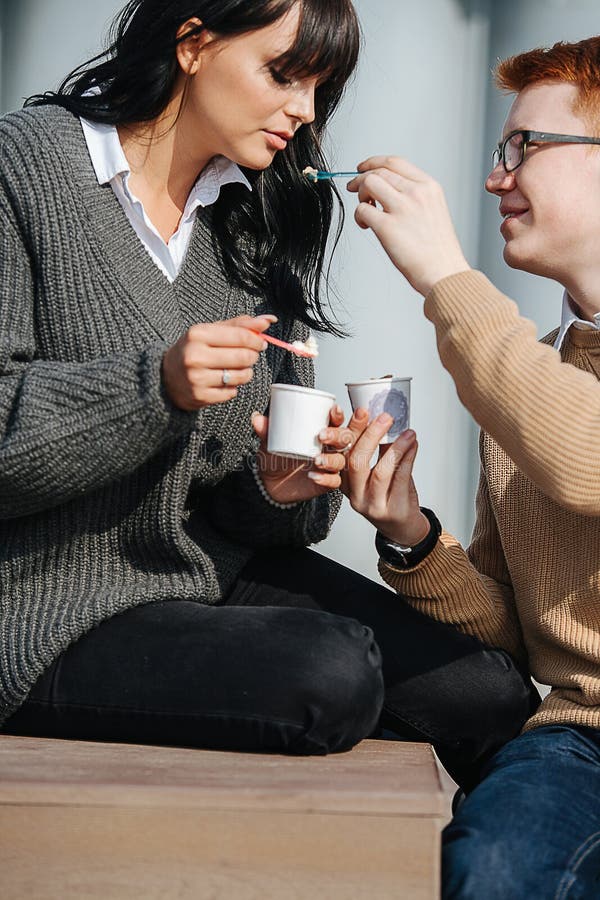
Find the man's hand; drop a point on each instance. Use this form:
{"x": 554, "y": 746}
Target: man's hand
{"x": 407, "y": 211}
{"x": 385, "y": 494}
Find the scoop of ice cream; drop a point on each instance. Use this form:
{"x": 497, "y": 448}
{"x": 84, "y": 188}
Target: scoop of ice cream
{"x": 311, "y": 173}
{"x": 309, "y": 345}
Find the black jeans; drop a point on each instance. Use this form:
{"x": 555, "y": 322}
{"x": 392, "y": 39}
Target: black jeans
{"x": 303, "y": 656}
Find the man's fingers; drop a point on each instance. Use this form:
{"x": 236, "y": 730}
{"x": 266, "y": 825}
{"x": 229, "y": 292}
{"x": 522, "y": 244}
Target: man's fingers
{"x": 392, "y": 471}
{"x": 367, "y": 443}
{"x": 368, "y": 216}
{"x": 396, "y": 164}
{"x": 358, "y": 469}
{"x": 382, "y": 191}
{"x": 401, "y": 477}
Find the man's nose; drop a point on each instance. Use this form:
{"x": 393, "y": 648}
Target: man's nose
{"x": 499, "y": 180}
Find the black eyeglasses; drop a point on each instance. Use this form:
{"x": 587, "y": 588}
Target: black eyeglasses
{"x": 511, "y": 151}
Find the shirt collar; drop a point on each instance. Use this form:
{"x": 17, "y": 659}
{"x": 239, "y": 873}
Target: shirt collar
{"x": 106, "y": 152}
{"x": 109, "y": 161}
{"x": 569, "y": 317}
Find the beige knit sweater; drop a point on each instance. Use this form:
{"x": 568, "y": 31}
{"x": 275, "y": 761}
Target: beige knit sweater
{"x": 530, "y": 580}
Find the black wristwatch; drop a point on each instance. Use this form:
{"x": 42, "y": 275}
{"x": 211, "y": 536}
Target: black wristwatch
{"x": 399, "y": 557}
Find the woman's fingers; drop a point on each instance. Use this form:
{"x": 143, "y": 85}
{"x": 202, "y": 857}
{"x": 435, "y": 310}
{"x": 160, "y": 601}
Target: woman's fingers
{"x": 343, "y": 439}
{"x": 211, "y": 360}
{"x": 221, "y": 358}
{"x": 339, "y": 440}
{"x": 260, "y": 424}
{"x": 330, "y": 462}
{"x": 254, "y": 323}
{"x": 207, "y": 397}
{"x": 336, "y": 416}
{"x": 326, "y": 481}
{"x": 226, "y": 334}
{"x": 223, "y": 377}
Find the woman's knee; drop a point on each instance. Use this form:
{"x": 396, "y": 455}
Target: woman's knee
{"x": 503, "y": 700}
{"x": 339, "y": 684}
{"x": 492, "y": 702}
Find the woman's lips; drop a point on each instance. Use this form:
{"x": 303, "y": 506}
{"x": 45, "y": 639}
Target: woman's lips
{"x": 276, "y": 141}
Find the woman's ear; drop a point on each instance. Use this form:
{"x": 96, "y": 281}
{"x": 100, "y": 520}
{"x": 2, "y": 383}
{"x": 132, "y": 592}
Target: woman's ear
{"x": 188, "y": 48}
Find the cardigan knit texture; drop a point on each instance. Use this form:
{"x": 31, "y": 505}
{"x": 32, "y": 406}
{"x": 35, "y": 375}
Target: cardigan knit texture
{"x": 530, "y": 579}
{"x": 110, "y": 496}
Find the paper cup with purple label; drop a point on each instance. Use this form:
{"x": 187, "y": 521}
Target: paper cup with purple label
{"x": 384, "y": 395}
{"x": 296, "y": 416}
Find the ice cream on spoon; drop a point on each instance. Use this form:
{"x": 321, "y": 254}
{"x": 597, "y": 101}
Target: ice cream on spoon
{"x": 308, "y": 348}
{"x": 314, "y": 175}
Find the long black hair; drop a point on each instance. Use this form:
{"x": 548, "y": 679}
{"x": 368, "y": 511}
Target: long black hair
{"x": 274, "y": 239}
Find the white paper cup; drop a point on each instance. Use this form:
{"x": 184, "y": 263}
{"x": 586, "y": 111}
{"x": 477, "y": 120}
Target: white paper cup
{"x": 378, "y": 395}
{"x": 296, "y": 416}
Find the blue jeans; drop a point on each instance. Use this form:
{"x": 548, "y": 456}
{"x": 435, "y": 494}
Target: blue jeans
{"x": 531, "y": 829}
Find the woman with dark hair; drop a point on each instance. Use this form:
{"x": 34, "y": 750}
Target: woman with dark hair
{"x": 155, "y": 581}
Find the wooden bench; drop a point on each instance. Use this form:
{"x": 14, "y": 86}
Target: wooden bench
{"x": 82, "y": 820}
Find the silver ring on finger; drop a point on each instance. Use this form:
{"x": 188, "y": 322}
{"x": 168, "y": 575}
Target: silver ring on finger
{"x": 348, "y": 447}
{"x": 226, "y": 377}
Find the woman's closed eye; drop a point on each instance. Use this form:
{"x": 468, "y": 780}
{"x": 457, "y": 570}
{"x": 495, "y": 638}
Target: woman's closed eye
{"x": 278, "y": 77}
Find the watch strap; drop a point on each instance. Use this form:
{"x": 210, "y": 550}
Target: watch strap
{"x": 399, "y": 557}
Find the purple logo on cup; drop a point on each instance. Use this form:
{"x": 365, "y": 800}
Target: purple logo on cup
{"x": 394, "y": 403}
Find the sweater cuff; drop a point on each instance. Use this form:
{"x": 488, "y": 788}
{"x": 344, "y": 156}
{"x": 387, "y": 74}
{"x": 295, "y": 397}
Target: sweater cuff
{"x": 437, "y": 577}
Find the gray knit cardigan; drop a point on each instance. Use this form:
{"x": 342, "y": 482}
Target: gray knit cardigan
{"x": 110, "y": 496}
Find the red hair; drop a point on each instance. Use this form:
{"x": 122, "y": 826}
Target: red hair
{"x": 577, "y": 63}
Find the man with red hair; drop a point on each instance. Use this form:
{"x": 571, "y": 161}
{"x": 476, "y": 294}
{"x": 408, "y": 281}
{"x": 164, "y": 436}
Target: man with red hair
{"x": 530, "y": 580}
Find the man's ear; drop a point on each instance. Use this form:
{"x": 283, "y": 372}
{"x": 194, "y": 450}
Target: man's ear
{"x": 188, "y": 48}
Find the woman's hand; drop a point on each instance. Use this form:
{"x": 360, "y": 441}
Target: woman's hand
{"x": 407, "y": 211}
{"x": 194, "y": 367}
{"x": 385, "y": 494}
{"x": 291, "y": 481}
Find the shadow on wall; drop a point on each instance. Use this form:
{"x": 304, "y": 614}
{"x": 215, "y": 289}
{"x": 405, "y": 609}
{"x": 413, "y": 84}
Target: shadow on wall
{"x": 473, "y": 8}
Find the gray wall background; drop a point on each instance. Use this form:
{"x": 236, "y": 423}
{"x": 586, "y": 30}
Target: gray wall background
{"x": 423, "y": 91}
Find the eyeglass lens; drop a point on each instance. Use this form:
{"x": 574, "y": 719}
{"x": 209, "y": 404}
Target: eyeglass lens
{"x": 513, "y": 152}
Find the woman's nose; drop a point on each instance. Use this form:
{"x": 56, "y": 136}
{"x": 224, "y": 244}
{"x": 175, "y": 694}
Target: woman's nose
{"x": 301, "y": 105}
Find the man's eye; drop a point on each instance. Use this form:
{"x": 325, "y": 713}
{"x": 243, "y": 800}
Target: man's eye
{"x": 278, "y": 77}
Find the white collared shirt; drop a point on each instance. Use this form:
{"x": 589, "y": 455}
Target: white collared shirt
{"x": 111, "y": 167}
{"x": 568, "y": 318}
